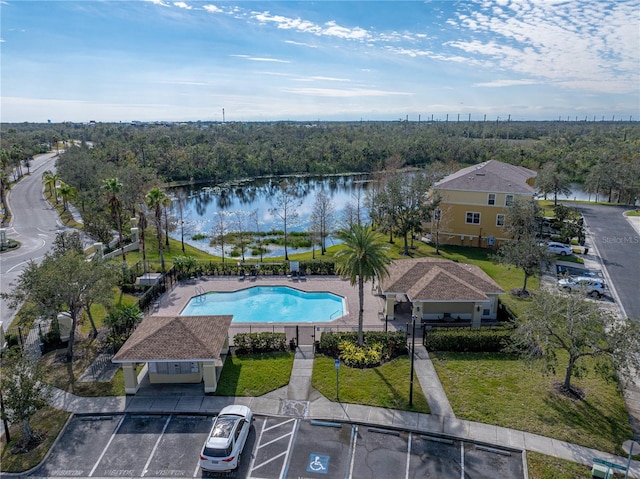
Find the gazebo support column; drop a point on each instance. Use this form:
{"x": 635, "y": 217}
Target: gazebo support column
{"x": 476, "y": 318}
{"x": 131, "y": 384}
{"x": 390, "y": 306}
{"x": 209, "y": 377}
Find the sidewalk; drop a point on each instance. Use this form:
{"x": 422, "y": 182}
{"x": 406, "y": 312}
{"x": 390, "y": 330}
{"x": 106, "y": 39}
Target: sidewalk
{"x": 299, "y": 399}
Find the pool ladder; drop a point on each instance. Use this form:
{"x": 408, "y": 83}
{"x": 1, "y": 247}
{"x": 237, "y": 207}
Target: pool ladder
{"x": 200, "y": 294}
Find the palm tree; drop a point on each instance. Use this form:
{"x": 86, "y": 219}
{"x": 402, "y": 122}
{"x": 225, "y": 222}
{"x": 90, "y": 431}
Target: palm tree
{"x": 51, "y": 179}
{"x": 5, "y": 184}
{"x": 113, "y": 186}
{"x": 66, "y": 192}
{"x": 363, "y": 257}
{"x": 156, "y": 199}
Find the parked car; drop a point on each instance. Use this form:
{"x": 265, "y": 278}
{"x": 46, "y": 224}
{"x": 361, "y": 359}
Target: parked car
{"x": 588, "y": 284}
{"x": 224, "y": 445}
{"x": 559, "y": 248}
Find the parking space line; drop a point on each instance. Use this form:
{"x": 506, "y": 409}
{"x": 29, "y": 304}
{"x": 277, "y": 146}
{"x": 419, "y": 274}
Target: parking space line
{"x": 274, "y": 440}
{"x": 104, "y": 451}
{"x": 276, "y": 425}
{"x": 285, "y": 465}
{"x": 406, "y": 474}
{"x": 153, "y": 451}
{"x": 354, "y": 439}
{"x": 461, "y": 460}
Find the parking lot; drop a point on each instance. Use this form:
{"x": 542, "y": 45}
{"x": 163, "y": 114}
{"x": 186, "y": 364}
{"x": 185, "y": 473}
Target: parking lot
{"x": 134, "y": 445}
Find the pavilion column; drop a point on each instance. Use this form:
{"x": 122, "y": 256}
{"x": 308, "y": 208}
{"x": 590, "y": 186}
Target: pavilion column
{"x": 390, "y": 304}
{"x": 209, "y": 376}
{"x": 477, "y": 315}
{"x": 131, "y": 384}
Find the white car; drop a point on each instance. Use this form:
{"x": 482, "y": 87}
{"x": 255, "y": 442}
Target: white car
{"x": 588, "y": 284}
{"x": 559, "y": 248}
{"x": 222, "y": 449}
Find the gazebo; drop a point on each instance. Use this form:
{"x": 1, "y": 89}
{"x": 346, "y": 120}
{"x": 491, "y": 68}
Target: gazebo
{"x": 439, "y": 289}
{"x": 175, "y": 349}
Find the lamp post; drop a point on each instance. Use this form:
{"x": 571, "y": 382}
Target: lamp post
{"x": 628, "y": 447}
{"x": 413, "y": 348}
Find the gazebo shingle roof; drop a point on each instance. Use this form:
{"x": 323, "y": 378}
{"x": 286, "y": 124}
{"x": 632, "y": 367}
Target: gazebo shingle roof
{"x": 491, "y": 176}
{"x": 175, "y": 338}
{"x": 433, "y": 279}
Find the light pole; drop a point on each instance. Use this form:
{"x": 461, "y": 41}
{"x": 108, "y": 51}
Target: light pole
{"x": 628, "y": 446}
{"x": 413, "y": 349}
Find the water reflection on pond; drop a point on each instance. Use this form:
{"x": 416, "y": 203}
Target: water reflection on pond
{"x": 253, "y": 200}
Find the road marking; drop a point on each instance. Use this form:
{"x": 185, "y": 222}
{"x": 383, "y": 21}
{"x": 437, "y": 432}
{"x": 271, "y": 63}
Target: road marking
{"x": 253, "y": 466}
{"x": 462, "y": 460}
{"x": 354, "y": 435}
{"x": 285, "y": 465}
{"x": 104, "y": 451}
{"x": 153, "y": 451}
{"x": 406, "y": 472}
{"x": 276, "y": 425}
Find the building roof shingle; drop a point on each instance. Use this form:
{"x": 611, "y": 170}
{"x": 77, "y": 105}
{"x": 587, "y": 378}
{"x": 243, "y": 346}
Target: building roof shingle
{"x": 434, "y": 279}
{"x": 175, "y": 338}
{"x": 491, "y": 176}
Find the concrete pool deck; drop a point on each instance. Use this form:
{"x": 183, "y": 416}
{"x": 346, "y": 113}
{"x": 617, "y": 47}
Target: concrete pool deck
{"x": 174, "y": 301}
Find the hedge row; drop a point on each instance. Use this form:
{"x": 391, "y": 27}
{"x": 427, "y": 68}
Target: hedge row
{"x": 248, "y": 343}
{"x": 393, "y": 343}
{"x": 475, "y": 340}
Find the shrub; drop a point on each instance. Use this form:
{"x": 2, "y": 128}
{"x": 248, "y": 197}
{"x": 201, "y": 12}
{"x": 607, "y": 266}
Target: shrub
{"x": 393, "y": 343}
{"x": 248, "y": 343}
{"x": 488, "y": 340}
{"x": 361, "y": 357}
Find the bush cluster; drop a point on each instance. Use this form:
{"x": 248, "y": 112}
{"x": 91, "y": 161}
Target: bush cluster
{"x": 355, "y": 356}
{"x": 393, "y": 343}
{"x": 248, "y": 343}
{"x": 490, "y": 340}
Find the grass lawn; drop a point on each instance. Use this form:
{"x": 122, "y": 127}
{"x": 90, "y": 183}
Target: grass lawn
{"x": 254, "y": 374}
{"x": 541, "y": 466}
{"x": 503, "y": 390}
{"x": 47, "y": 422}
{"x": 385, "y": 386}
{"x": 65, "y": 375}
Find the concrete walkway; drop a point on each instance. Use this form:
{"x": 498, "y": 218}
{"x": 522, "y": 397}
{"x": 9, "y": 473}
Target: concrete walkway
{"x": 299, "y": 399}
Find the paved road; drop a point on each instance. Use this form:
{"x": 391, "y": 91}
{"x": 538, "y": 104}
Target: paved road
{"x": 618, "y": 245}
{"x": 34, "y": 225}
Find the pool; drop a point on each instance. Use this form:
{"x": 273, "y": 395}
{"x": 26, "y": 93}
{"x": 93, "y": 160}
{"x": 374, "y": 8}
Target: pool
{"x": 269, "y": 304}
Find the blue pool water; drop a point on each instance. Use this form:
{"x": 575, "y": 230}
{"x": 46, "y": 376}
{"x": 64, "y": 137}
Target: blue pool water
{"x": 268, "y": 304}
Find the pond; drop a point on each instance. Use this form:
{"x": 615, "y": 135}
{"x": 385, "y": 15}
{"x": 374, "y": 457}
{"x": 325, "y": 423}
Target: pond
{"x": 250, "y": 204}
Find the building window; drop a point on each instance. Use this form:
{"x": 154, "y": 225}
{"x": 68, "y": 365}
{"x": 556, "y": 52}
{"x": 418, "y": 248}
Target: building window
{"x": 499, "y": 220}
{"x": 508, "y": 200}
{"x": 492, "y": 199}
{"x": 473, "y": 218}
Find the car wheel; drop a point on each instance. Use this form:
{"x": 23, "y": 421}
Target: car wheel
{"x": 563, "y": 253}
{"x": 238, "y": 463}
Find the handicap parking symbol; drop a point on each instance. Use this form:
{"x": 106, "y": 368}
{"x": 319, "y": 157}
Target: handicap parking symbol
{"x": 318, "y": 464}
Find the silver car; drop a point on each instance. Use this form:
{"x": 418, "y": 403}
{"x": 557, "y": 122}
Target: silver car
{"x": 559, "y": 248}
{"x": 222, "y": 449}
{"x": 588, "y": 284}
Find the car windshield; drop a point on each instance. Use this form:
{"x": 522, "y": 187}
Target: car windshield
{"x": 217, "y": 452}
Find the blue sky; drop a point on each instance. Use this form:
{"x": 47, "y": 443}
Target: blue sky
{"x": 326, "y": 60}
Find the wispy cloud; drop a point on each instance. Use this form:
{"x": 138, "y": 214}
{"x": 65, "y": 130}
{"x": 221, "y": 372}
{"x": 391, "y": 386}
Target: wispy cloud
{"x": 351, "y": 92}
{"x": 159, "y": 2}
{"x": 261, "y": 59}
{"x": 301, "y": 44}
{"x": 183, "y": 5}
{"x": 504, "y": 83}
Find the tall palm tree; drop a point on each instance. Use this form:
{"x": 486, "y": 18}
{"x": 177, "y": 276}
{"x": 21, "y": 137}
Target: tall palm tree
{"x": 66, "y": 192}
{"x": 113, "y": 186}
{"x": 363, "y": 257}
{"x": 51, "y": 179}
{"x": 5, "y": 184}
{"x": 156, "y": 199}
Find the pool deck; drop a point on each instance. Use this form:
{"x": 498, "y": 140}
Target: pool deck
{"x": 174, "y": 301}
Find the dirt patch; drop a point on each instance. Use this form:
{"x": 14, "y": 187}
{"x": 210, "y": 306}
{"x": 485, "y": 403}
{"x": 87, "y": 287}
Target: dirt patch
{"x": 574, "y": 393}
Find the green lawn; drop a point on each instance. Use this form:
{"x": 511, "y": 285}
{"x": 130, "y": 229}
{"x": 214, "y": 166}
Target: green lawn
{"x": 541, "y": 466}
{"x": 48, "y": 423}
{"x": 503, "y": 390}
{"x": 254, "y": 374}
{"x": 385, "y": 386}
